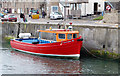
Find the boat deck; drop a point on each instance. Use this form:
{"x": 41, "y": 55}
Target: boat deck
{"x": 36, "y": 41}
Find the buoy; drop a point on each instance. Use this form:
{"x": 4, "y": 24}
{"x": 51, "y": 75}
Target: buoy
{"x": 65, "y": 27}
{"x": 2, "y": 22}
{"x": 24, "y": 35}
{"x": 50, "y": 28}
{"x": 70, "y": 23}
{"x": 60, "y": 43}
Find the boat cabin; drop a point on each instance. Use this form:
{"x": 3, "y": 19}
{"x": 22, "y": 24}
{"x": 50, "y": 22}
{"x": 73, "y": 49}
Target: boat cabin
{"x": 61, "y": 34}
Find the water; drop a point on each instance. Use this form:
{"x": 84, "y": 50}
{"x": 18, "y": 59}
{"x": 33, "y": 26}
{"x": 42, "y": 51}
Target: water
{"x": 14, "y": 62}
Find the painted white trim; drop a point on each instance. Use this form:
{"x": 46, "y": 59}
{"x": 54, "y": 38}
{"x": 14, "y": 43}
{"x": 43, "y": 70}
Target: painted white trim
{"x": 73, "y": 55}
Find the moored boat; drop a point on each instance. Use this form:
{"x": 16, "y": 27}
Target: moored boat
{"x": 65, "y": 43}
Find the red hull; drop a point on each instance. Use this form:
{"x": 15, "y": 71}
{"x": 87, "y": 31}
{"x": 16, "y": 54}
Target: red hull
{"x": 65, "y": 48}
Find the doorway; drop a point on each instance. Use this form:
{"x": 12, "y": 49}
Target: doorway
{"x": 95, "y": 8}
{"x": 27, "y": 10}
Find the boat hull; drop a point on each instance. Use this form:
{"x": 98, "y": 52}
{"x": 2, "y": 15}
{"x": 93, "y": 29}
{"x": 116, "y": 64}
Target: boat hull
{"x": 69, "y": 48}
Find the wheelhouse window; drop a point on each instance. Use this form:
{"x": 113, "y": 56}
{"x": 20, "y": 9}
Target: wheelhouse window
{"x": 69, "y": 36}
{"x": 61, "y": 36}
{"x": 74, "y": 36}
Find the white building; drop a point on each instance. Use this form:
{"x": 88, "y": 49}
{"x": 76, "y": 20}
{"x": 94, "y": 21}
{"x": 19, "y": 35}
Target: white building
{"x": 92, "y": 7}
{"x": 83, "y": 7}
{"x": 72, "y": 7}
{"x": 96, "y": 6}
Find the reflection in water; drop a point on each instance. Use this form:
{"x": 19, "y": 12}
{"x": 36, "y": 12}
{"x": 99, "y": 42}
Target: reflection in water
{"x": 96, "y": 66}
{"x": 14, "y": 62}
{"x": 17, "y": 62}
{"x": 49, "y": 65}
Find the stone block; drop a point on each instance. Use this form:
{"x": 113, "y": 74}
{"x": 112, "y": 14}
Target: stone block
{"x": 110, "y": 18}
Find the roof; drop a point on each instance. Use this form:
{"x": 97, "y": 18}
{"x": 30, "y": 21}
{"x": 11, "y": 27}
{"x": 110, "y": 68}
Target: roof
{"x": 11, "y": 15}
{"x": 73, "y": 1}
{"x": 113, "y": 0}
{"x": 57, "y": 31}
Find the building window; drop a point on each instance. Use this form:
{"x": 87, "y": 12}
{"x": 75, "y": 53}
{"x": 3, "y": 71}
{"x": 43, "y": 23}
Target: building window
{"x": 32, "y": 1}
{"x": 72, "y": 6}
{"x": 78, "y": 6}
{"x": 54, "y": 9}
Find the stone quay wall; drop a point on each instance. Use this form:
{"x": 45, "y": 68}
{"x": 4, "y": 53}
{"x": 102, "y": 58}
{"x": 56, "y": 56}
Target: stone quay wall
{"x": 112, "y": 17}
{"x": 101, "y": 41}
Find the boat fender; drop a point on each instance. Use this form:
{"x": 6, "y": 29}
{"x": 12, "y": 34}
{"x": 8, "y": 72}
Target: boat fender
{"x": 61, "y": 43}
{"x": 24, "y": 35}
{"x": 35, "y": 42}
{"x": 80, "y": 39}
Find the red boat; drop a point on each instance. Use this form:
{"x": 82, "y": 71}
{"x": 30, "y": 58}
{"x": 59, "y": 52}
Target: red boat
{"x": 65, "y": 44}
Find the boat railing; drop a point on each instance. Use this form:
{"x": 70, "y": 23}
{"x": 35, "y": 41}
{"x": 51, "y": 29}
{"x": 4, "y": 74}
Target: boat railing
{"x": 49, "y": 41}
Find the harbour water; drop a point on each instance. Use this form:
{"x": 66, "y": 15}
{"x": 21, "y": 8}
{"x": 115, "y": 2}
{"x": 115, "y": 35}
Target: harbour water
{"x": 14, "y": 62}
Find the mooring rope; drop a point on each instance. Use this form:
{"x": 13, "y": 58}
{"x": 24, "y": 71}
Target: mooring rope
{"x": 97, "y": 56}
{"x": 91, "y": 53}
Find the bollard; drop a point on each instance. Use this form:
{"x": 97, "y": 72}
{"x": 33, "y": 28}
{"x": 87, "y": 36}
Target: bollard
{"x": 102, "y": 13}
